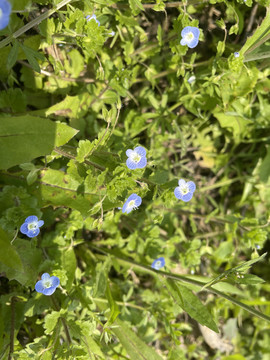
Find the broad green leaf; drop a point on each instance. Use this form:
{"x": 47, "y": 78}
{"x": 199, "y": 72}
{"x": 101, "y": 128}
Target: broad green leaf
{"x": 51, "y": 321}
{"x": 237, "y": 125}
{"x": 264, "y": 169}
{"x": 135, "y": 347}
{"x": 8, "y": 254}
{"x": 25, "y": 131}
{"x": 190, "y": 303}
{"x": 26, "y": 269}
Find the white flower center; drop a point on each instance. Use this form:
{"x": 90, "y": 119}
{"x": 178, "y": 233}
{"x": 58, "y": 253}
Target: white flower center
{"x": 47, "y": 283}
{"x": 189, "y": 37}
{"x": 158, "y": 263}
{"x": 184, "y": 189}
{"x": 131, "y": 204}
{"x": 33, "y": 226}
{"x": 135, "y": 157}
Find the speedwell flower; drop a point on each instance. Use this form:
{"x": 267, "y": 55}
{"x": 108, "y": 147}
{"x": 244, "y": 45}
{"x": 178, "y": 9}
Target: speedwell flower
{"x": 5, "y": 10}
{"x": 158, "y": 263}
{"x": 47, "y": 285}
{"x": 136, "y": 158}
{"x": 190, "y": 36}
{"x": 132, "y": 202}
{"x": 185, "y": 190}
{"x": 236, "y": 54}
{"x": 191, "y": 79}
{"x": 88, "y": 18}
{"x": 31, "y": 226}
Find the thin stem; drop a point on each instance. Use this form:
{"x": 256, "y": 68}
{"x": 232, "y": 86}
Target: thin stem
{"x": 120, "y": 303}
{"x": 187, "y": 280}
{"x": 33, "y": 23}
{"x": 62, "y": 152}
{"x": 56, "y": 306}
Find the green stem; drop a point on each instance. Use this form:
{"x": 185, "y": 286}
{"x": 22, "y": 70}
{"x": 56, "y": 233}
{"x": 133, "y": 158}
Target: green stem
{"x": 33, "y": 23}
{"x": 56, "y": 306}
{"x": 120, "y": 303}
{"x": 186, "y": 280}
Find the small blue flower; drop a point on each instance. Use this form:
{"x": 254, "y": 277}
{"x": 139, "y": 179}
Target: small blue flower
{"x": 5, "y": 10}
{"x": 185, "y": 190}
{"x": 190, "y": 36}
{"x": 136, "y": 158}
{"x": 31, "y": 226}
{"x": 47, "y": 285}
{"x": 112, "y": 33}
{"x": 158, "y": 263}
{"x": 132, "y": 202}
{"x": 236, "y": 54}
{"x": 88, "y": 18}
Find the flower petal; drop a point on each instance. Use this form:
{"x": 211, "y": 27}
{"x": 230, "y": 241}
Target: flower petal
{"x": 55, "y": 281}
{"x": 178, "y": 194}
{"x": 142, "y": 163}
{"x": 33, "y": 232}
{"x": 40, "y": 223}
{"x": 138, "y": 201}
{"x": 129, "y": 152}
{"x": 124, "y": 208}
{"x": 187, "y": 197}
{"x": 49, "y": 291}
{"x": 181, "y": 182}
{"x": 140, "y": 150}
{"x": 131, "y": 164}
{"x": 193, "y": 43}
{"x": 31, "y": 218}
{"x": 39, "y": 286}
{"x": 191, "y": 185}
{"x": 24, "y": 228}
{"x": 45, "y": 276}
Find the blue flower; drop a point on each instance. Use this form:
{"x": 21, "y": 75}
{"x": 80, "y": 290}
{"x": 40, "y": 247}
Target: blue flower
{"x": 132, "y": 203}
{"x": 158, "y": 263}
{"x": 88, "y": 18}
{"x": 185, "y": 190}
{"x": 47, "y": 285}
{"x": 236, "y": 54}
{"x": 136, "y": 158}
{"x": 5, "y": 10}
{"x": 190, "y": 36}
{"x": 31, "y": 226}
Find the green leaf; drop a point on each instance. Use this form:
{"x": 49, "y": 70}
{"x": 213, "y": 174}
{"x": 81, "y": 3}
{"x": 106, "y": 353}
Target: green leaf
{"x": 191, "y": 304}
{"x": 31, "y": 56}
{"x": 136, "y": 6}
{"x": 51, "y": 321}
{"x": 26, "y": 269}
{"x": 113, "y": 306}
{"x": 8, "y": 254}
{"x": 26, "y": 132}
{"x": 13, "y": 55}
{"x": 135, "y": 347}
{"x": 69, "y": 264}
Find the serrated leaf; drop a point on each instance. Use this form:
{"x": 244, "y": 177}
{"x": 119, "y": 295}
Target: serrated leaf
{"x": 26, "y": 132}
{"x": 191, "y": 304}
{"x": 51, "y": 321}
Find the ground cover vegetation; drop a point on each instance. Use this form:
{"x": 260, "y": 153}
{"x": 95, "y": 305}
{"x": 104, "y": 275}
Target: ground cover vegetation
{"x": 135, "y": 179}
